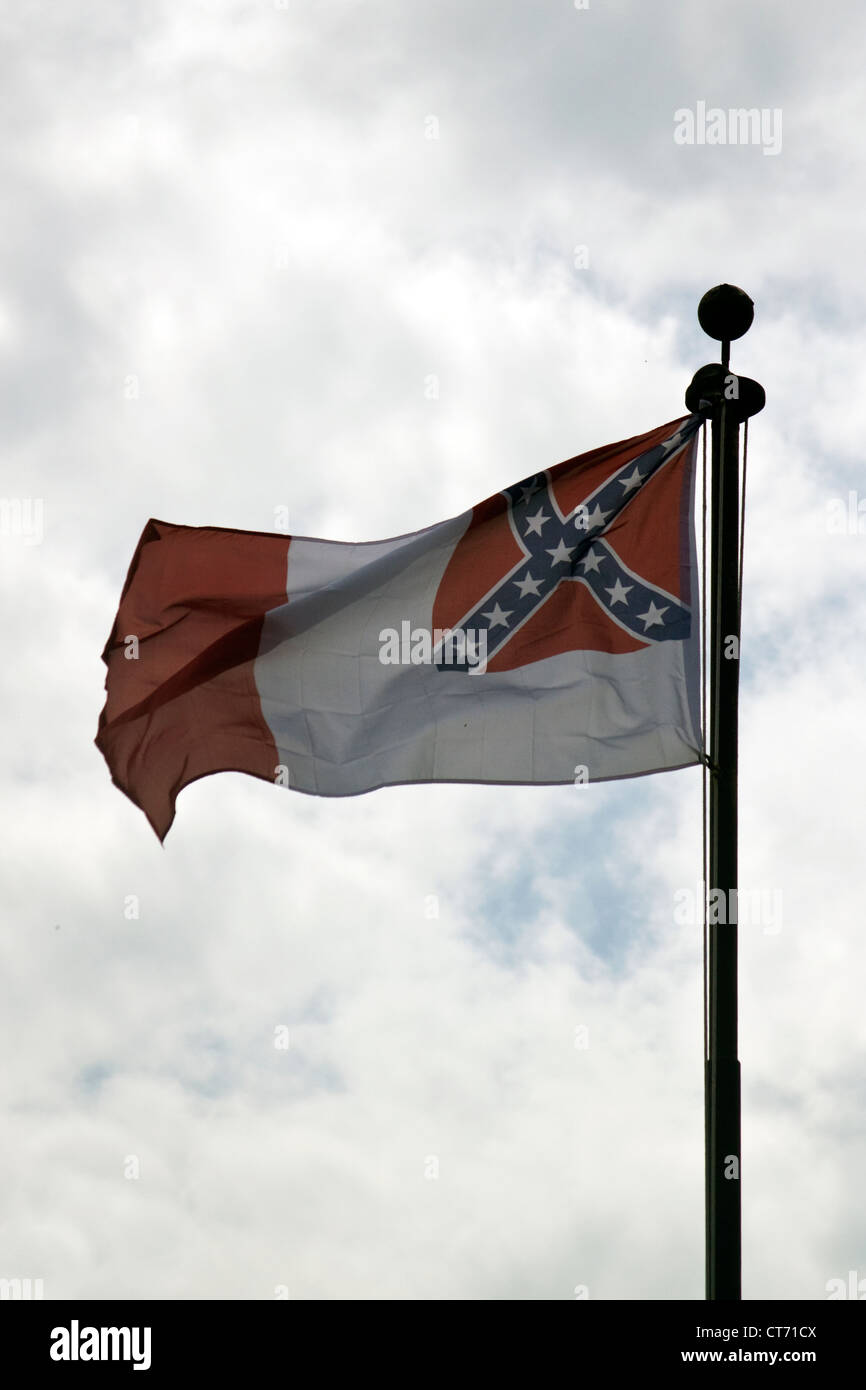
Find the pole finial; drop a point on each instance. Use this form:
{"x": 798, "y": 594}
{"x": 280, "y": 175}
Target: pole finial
{"x": 726, "y": 312}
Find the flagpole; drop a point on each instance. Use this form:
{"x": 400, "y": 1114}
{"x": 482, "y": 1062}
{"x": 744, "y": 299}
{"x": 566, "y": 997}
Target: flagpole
{"x": 725, "y": 313}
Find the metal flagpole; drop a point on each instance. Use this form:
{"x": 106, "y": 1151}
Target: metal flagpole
{"x": 724, "y": 313}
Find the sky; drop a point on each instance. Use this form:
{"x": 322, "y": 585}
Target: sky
{"x": 363, "y": 265}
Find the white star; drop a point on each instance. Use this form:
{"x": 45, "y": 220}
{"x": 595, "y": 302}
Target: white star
{"x": 674, "y": 441}
{"x": 528, "y": 585}
{"x": 535, "y": 523}
{"x": 560, "y": 555}
{"x": 618, "y": 593}
{"x": 529, "y": 491}
{"x": 632, "y": 481}
{"x": 596, "y": 517}
{"x": 591, "y": 561}
{"x": 496, "y": 617}
{"x": 653, "y": 616}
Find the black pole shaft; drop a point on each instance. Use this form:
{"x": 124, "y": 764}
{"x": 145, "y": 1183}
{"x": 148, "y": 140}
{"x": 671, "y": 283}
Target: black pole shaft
{"x": 725, "y": 313}
{"x": 722, "y": 1094}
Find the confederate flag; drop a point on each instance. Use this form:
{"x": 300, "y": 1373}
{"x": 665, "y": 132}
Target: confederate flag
{"x": 546, "y": 636}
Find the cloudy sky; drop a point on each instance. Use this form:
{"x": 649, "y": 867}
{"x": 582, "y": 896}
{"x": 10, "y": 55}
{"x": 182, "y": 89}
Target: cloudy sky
{"x": 369, "y": 263}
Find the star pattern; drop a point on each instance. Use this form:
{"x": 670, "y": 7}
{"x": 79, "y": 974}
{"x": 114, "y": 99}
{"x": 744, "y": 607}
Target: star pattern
{"x": 528, "y": 585}
{"x": 652, "y": 617}
{"x": 561, "y": 554}
{"x": 535, "y": 523}
{"x": 496, "y": 617}
{"x": 633, "y": 480}
{"x": 619, "y": 592}
{"x": 581, "y": 554}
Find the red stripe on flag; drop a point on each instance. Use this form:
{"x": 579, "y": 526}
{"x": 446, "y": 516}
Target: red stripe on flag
{"x": 646, "y": 537}
{"x": 195, "y": 599}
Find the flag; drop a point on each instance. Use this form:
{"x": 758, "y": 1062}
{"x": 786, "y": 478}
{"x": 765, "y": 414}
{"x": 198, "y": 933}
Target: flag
{"x": 547, "y": 636}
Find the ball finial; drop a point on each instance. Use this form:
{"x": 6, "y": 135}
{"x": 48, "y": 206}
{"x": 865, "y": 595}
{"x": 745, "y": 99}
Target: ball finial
{"x": 725, "y": 312}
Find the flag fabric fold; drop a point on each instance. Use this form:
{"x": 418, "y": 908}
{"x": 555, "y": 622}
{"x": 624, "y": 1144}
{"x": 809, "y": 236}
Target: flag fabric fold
{"x": 547, "y": 636}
